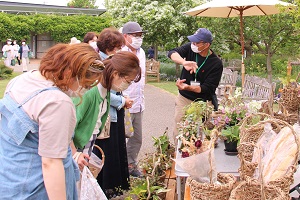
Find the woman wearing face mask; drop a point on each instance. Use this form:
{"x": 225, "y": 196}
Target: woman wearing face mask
{"x": 91, "y": 39}
{"x": 92, "y": 112}
{"x": 8, "y": 53}
{"x": 114, "y": 173}
{"x": 35, "y": 153}
{"x": 16, "y": 51}
{"x": 23, "y": 51}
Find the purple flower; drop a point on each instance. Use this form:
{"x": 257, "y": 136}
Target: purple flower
{"x": 198, "y": 143}
{"x": 227, "y": 120}
{"x": 185, "y": 154}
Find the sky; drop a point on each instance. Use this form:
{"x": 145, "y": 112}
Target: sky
{"x": 53, "y": 2}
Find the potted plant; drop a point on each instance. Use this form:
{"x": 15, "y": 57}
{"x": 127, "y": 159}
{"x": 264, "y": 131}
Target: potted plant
{"x": 232, "y": 138}
{"x": 146, "y": 189}
{"x": 155, "y": 164}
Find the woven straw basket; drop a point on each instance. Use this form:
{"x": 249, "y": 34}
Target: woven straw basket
{"x": 289, "y": 97}
{"x": 95, "y": 169}
{"x": 251, "y": 188}
{"x": 282, "y": 113}
{"x": 207, "y": 191}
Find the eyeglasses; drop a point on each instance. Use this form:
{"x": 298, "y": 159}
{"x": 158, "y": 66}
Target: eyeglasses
{"x": 129, "y": 82}
{"x": 139, "y": 35}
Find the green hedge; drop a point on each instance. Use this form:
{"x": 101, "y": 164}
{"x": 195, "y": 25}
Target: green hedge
{"x": 5, "y": 72}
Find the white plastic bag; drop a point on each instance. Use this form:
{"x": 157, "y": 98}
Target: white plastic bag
{"x": 200, "y": 167}
{"x": 89, "y": 188}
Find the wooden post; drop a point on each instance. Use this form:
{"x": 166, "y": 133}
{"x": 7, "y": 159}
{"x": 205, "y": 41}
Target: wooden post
{"x": 289, "y": 71}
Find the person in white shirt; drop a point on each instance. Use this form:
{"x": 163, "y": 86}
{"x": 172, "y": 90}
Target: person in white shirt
{"x": 8, "y": 53}
{"x": 16, "y": 51}
{"x": 133, "y": 35}
{"x": 23, "y": 51}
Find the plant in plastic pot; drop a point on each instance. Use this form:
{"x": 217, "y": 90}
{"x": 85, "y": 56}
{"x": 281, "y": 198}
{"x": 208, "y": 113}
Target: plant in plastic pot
{"x": 232, "y": 138}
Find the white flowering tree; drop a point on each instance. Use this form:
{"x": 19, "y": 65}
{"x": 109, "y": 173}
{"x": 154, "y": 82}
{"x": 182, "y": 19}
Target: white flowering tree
{"x": 164, "y": 20}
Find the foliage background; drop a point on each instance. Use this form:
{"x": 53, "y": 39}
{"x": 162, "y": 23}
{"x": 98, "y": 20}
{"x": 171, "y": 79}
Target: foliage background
{"x": 270, "y": 41}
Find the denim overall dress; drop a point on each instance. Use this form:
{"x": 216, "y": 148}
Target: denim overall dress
{"x": 21, "y": 174}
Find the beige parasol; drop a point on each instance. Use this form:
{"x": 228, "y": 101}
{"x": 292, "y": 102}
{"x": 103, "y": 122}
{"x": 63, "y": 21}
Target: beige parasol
{"x": 237, "y": 8}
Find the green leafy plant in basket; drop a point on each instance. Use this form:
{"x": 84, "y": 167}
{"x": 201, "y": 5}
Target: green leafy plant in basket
{"x": 231, "y": 133}
{"x": 197, "y": 110}
{"x": 189, "y": 128}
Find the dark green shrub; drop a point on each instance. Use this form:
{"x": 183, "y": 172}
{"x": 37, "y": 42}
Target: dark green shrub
{"x": 164, "y": 58}
{"x": 168, "y": 71}
{"x": 5, "y": 72}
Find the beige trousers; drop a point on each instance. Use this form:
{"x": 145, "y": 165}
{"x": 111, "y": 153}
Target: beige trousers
{"x": 180, "y": 103}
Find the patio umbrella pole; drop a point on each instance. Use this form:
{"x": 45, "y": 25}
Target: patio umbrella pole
{"x": 243, "y": 46}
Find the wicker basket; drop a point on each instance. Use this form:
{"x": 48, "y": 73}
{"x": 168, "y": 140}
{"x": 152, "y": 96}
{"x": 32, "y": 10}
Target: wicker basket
{"x": 96, "y": 169}
{"x": 249, "y": 132}
{"x": 251, "y": 188}
{"x": 207, "y": 191}
{"x": 282, "y": 113}
{"x": 290, "y": 98}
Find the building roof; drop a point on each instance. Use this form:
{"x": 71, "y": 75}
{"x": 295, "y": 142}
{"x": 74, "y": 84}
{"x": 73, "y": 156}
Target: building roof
{"x": 29, "y": 8}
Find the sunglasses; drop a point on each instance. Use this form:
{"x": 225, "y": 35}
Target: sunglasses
{"x": 97, "y": 66}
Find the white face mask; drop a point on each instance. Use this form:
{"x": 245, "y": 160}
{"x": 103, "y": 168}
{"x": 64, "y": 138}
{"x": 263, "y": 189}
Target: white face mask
{"x": 94, "y": 45}
{"x": 123, "y": 86}
{"x": 195, "y": 48}
{"x": 136, "y": 42}
{"x": 15, "y": 43}
{"x": 77, "y": 93}
{"x": 23, "y": 43}
{"x": 8, "y": 42}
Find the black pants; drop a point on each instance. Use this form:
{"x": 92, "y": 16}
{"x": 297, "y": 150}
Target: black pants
{"x": 19, "y": 61}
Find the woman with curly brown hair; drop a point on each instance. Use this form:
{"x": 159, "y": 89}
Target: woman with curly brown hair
{"x": 35, "y": 153}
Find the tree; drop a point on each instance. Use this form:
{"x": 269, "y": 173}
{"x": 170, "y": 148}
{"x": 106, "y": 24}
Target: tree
{"x": 267, "y": 35}
{"x": 82, "y": 4}
{"x": 163, "y": 19}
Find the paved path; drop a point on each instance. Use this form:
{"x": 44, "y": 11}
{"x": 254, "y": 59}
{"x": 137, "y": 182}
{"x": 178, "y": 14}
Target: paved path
{"x": 158, "y": 115}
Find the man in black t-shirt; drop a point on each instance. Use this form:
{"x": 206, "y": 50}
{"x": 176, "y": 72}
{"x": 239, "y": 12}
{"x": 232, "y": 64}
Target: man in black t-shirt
{"x": 201, "y": 72}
